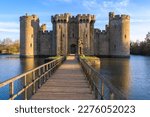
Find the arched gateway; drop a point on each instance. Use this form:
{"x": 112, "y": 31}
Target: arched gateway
{"x": 73, "y": 49}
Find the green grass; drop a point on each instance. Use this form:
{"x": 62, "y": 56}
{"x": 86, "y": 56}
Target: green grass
{"x": 54, "y": 57}
{"x": 88, "y": 57}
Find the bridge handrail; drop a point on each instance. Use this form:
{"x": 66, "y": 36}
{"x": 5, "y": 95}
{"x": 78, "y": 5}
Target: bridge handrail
{"x": 91, "y": 73}
{"x": 43, "y": 70}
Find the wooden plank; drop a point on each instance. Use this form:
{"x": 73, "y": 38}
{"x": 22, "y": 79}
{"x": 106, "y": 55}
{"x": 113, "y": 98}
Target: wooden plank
{"x": 66, "y": 85}
{"x": 63, "y": 97}
{"x": 65, "y": 89}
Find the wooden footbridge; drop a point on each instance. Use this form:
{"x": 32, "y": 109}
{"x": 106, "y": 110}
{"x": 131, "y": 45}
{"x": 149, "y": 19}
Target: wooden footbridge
{"x": 68, "y": 82}
{"x": 65, "y": 78}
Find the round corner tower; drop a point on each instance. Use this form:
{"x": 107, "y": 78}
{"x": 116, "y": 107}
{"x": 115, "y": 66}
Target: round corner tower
{"x": 119, "y": 33}
{"x": 29, "y": 27}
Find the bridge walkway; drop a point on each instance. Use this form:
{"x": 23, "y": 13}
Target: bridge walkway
{"x": 67, "y": 83}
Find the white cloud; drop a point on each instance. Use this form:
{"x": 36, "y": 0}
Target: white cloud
{"x": 140, "y": 20}
{"x": 106, "y": 6}
{"x": 9, "y": 25}
{"x": 117, "y": 3}
{"x": 9, "y": 30}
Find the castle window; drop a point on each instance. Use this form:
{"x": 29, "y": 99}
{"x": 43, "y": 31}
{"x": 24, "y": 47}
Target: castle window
{"x": 80, "y": 20}
{"x": 86, "y": 35}
{"x": 63, "y": 35}
{"x": 125, "y": 36}
{"x": 114, "y": 46}
{"x": 32, "y": 36}
{"x": 30, "y": 44}
{"x": 73, "y": 35}
{"x": 59, "y": 26}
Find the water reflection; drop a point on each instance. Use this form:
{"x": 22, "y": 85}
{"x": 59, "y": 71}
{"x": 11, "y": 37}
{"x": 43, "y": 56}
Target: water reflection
{"x": 117, "y": 71}
{"x": 129, "y": 75}
{"x": 11, "y": 66}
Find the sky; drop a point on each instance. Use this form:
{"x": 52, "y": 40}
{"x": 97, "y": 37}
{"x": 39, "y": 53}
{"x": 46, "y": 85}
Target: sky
{"x": 11, "y": 10}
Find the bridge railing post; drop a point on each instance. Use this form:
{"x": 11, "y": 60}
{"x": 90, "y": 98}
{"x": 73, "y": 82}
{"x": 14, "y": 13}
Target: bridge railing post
{"x": 11, "y": 90}
{"x": 111, "y": 95}
{"x": 26, "y": 90}
{"x": 39, "y": 75}
{"x": 102, "y": 89}
{"x": 33, "y": 80}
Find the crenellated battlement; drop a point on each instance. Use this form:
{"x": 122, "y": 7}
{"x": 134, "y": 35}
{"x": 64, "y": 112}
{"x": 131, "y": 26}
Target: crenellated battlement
{"x": 29, "y": 17}
{"x": 112, "y": 16}
{"x": 86, "y": 18}
{"x": 100, "y": 32}
{"x": 46, "y": 32}
{"x": 61, "y": 18}
{"x": 96, "y": 30}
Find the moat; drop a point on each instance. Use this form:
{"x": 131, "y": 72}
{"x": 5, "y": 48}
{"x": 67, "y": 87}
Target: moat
{"x": 129, "y": 75}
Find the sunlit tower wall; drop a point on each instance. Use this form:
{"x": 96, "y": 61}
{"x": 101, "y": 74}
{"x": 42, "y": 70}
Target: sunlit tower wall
{"x": 119, "y": 33}
{"x": 29, "y": 28}
{"x": 86, "y": 34}
{"x": 60, "y": 33}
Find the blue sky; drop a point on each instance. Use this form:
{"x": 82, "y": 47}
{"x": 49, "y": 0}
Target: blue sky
{"x": 11, "y": 10}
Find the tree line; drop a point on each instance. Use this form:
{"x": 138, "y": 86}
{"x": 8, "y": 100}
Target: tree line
{"x": 8, "y": 46}
{"x": 141, "y": 48}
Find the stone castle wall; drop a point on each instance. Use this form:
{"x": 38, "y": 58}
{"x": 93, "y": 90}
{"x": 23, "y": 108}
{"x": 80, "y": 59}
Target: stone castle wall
{"x": 44, "y": 43}
{"x": 101, "y": 42}
{"x": 75, "y": 34}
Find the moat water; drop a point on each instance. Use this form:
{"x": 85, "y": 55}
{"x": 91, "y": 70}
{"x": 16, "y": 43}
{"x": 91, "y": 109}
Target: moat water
{"x": 132, "y": 76}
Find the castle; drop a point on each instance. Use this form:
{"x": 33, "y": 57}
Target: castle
{"x": 75, "y": 35}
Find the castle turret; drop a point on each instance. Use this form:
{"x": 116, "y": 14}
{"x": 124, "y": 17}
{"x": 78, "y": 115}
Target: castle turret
{"x": 43, "y": 28}
{"x": 60, "y": 33}
{"x": 119, "y": 34}
{"x": 29, "y": 27}
{"x": 86, "y": 34}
